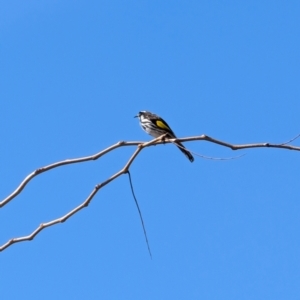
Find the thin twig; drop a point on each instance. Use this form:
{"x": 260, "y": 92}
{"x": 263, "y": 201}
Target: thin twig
{"x": 291, "y": 140}
{"x": 209, "y": 157}
{"x": 218, "y": 158}
{"x": 140, "y": 213}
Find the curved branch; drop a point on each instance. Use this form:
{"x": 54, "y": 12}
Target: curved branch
{"x": 236, "y": 146}
{"x": 62, "y": 163}
{"x": 160, "y": 140}
{"x": 51, "y": 223}
{"x": 84, "y": 204}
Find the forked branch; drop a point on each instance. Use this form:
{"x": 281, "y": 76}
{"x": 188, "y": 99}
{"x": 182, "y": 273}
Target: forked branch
{"x": 140, "y": 146}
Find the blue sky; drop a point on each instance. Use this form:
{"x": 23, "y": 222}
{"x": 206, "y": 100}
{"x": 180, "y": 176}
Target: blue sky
{"x": 73, "y": 75}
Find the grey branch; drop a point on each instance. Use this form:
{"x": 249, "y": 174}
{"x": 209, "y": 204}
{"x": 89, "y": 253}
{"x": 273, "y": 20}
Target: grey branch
{"x": 140, "y": 146}
{"x": 143, "y": 145}
{"x": 86, "y": 202}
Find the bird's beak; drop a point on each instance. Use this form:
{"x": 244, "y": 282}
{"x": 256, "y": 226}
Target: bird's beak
{"x": 135, "y": 116}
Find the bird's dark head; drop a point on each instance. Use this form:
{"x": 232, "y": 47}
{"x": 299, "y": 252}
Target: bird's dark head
{"x": 141, "y": 113}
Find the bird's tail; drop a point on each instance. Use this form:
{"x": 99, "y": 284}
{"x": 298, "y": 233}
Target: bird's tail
{"x": 185, "y": 152}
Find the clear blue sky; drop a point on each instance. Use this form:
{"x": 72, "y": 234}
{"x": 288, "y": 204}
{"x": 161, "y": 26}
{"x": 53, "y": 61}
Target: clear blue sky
{"x": 73, "y": 75}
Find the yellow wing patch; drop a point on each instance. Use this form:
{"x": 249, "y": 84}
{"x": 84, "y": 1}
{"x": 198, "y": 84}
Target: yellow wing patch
{"x": 162, "y": 125}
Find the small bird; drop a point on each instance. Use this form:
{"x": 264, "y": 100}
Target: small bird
{"x": 156, "y": 126}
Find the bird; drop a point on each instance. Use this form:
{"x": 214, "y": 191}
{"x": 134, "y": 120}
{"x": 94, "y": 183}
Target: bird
{"x": 156, "y": 126}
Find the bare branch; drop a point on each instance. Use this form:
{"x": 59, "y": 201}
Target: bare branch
{"x": 140, "y": 147}
{"x": 235, "y": 146}
{"x": 51, "y": 223}
{"x": 156, "y": 141}
{"x": 62, "y": 163}
{"x": 85, "y": 203}
{"x": 160, "y": 140}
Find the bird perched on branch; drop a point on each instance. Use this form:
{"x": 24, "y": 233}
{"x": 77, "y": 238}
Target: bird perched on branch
{"x": 156, "y": 126}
